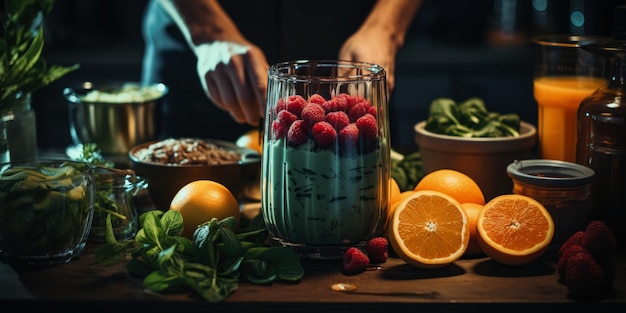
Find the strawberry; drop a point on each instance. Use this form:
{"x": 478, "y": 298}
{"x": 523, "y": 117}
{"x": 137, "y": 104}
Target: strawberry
{"x": 317, "y": 99}
{"x": 357, "y": 111}
{"x": 355, "y": 260}
{"x": 368, "y": 128}
{"x": 297, "y": 134}
{"x": 377, "y": 249}
{"x": 313, "y": 113}
{"x": 585, "y": 278}
{"x": 338, "y": 119}
{"x": 599, "y": 240}
{"x": 324, "y": 134}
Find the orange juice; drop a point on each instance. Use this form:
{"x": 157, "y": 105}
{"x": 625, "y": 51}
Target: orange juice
{"x": 558, "y": 99}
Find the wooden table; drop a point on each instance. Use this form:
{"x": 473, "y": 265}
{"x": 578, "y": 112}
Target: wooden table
{"x": 470, "y": 284}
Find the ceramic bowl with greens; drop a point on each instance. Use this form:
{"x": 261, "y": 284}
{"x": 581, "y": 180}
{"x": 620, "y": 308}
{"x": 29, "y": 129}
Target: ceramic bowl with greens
{"x": 46, "y": 210}
{"x": 467, "y": 137}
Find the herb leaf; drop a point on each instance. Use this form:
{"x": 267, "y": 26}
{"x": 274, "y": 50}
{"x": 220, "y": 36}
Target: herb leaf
{"x": 211, "y": 265}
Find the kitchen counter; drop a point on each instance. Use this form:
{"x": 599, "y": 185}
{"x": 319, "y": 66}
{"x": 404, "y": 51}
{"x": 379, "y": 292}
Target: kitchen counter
{"x": 470, "y": 284}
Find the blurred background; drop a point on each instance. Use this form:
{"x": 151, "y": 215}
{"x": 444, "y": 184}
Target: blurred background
{"x": 456, "y": 49}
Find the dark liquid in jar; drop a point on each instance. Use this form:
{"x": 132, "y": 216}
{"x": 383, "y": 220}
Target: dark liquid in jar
{"x": 603, "y": 148}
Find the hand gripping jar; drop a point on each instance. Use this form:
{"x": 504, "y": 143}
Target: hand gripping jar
{"x": 326, "y": 157}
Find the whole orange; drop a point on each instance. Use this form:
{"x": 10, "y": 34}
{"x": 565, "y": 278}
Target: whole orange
{"x": 202, "y": 200}
{"x": 454, "y": 183}
{"x": 472, "y": 210}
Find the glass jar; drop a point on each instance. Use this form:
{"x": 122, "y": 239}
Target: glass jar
{"x": 115, "y": 191}
{"x": 18, "y": 129}
{"x": 563, "y": 188}
{"x": 324, "y": 173}
{"x": 602, "y": 141}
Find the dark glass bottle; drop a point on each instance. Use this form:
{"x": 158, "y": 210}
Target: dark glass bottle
{"x": 601, "y": 139}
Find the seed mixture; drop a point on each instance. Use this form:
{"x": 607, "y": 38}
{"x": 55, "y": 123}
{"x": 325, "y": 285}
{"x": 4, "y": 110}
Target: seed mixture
{"x": 187, "y": 151}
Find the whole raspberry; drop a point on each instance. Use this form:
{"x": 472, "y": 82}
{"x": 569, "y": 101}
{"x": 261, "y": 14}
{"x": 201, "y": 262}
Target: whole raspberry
{"x": 599, "y": 240}
{"x": 313, "y": 113}
{"x": 285, "y": 118}
{"x": 372, "y": 110}
{"x": 377, "y": 249}
{"x": 335, "y": 104}
{"x": 338, "y": 119}
{"x": 575, "y": 240}
{"x": 564, "y": 258}
{"x": 352, "y": 100}
{"x": 357, "y": 111}
{"x": 324, "y": 134}
{"x": 349, "y": 137}
{"x": 354, "y": 260}
{"x": 367, "y": 126}
{"x": 317, "y": 99}
{"x": 585, "y": 278}
{"x": 295, "y": 104}
{"x": 279, "y": 130}
{"x": 297, "y": 134}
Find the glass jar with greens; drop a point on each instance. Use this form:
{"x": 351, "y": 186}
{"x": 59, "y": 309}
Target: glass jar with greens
{"x": 46, "y": 210}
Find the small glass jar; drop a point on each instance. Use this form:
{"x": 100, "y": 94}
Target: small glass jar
{"x": 115, "y": 191}
{"x": 561, "y": 187}
{"x": 18, "y": 129}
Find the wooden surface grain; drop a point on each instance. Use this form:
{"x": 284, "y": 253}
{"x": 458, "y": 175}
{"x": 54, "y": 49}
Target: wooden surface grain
{"x": 470, "y": 284}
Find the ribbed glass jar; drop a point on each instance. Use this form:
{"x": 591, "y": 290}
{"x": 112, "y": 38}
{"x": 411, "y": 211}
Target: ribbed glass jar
{"x": 18, "y": 129}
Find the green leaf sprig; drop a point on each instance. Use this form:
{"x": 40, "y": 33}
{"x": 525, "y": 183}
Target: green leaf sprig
{"x": 22, "y": 69}
{"x": 470, "y": 118}
{"x": 212, "y": 264}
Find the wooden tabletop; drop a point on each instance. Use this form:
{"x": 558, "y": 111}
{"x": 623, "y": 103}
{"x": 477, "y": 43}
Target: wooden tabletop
{"x": 470, "y": 284}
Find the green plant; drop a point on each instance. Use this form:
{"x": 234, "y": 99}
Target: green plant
{"x": 211, "y": 264}
{"x": 22, "y": 68}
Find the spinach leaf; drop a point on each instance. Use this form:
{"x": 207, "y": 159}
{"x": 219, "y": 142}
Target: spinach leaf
{"x": 470, "y": 118}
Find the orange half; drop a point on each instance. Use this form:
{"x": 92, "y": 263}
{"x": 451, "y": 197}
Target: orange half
{"x": 429, "y": 229}
{"x": 514, "y": 229}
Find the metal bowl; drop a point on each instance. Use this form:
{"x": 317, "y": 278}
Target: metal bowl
{"x": 165, "y": 180}
{"x": 115, "y": 116}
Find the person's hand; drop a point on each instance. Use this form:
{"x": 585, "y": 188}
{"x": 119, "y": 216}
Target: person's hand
{"x": 372, "y": 45}
{"x": 234, "y": 77}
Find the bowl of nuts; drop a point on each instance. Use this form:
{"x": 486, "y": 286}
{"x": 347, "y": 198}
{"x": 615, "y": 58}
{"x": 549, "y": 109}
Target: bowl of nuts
{"x": 169, "y": 164}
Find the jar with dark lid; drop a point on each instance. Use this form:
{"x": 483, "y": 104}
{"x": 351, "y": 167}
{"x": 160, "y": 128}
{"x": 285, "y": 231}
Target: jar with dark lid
{"x": 562, "y": 187}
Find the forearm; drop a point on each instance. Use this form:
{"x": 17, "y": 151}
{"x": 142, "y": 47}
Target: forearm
{"x": 393, "y": 17}
{"x": 202, "y": 21}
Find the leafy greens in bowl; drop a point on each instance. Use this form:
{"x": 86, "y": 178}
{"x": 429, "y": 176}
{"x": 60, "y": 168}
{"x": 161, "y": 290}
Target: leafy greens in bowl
{"x": 470, "y": 118}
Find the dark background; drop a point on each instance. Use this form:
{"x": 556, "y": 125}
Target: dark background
{"x": 456, "y": 49}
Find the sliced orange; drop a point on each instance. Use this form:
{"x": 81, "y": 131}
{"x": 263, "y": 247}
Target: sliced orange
{"x": 429, "y": 229}
{"x": 514, "y": 229}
